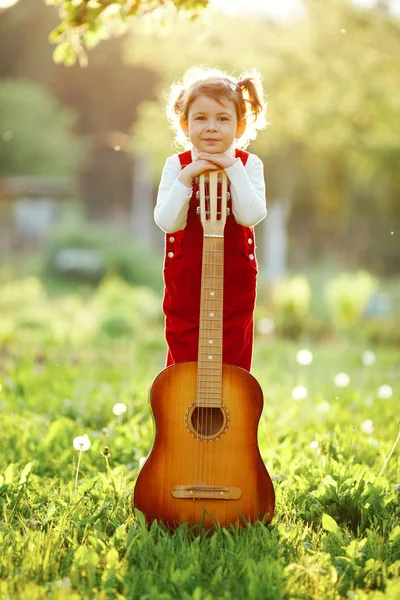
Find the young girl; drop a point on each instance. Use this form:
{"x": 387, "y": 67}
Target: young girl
{"x": 214, "y": 115}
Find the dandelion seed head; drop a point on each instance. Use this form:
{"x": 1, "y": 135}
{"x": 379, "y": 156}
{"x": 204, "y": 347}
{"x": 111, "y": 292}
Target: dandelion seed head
{"x": 385, "y": 391}
{"x": 323, "y": 407}
{"x": 304, "y": 357}
{"x": 367, "y": 426}
{"x": 299, "y": 392}
{"x": 119, "y": 408}
{"x": 341, "y": 380}
{"x": 81, "y": 443}
{"x": 8, "y": 135}
{"x": 265, "y": 326}
{"x": 314, "y": 445}
{"x": 368, "y": 358}
{"x": 369, "y": 401}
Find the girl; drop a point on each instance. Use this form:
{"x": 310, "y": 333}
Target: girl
{"x": 214, "y": 115}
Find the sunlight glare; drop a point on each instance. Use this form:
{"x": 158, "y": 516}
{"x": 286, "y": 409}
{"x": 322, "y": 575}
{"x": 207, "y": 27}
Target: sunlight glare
{"x": 279, "y": 10}
{"x": 7, "y": 3}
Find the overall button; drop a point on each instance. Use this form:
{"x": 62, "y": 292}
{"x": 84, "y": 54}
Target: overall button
{"x": 251, "y": 256}
{"x": 171, "y": 239}
{"x": 170, "y": 254}
{"x": 250, "y": 241}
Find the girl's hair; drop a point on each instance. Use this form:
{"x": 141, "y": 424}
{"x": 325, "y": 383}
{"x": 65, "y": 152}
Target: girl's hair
{"x": 246, "y": 93}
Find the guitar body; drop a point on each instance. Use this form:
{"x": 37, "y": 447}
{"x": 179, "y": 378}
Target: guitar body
{"x": 205, "y": 465}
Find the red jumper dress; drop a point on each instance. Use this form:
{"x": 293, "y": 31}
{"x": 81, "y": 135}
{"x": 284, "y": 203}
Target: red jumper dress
{"x": 182, "y": 278}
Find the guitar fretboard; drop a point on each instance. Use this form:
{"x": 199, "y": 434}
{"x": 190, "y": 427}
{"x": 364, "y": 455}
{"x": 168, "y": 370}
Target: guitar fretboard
{"x": 209, "y": 374}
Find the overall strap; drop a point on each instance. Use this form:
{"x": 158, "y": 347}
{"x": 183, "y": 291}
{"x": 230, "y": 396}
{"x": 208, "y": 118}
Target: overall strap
{"x": 185, "y": 158}
{"x": 242, "y": 154}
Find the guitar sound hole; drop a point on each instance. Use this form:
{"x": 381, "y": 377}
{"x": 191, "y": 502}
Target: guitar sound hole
{"x": 207, "y": 421}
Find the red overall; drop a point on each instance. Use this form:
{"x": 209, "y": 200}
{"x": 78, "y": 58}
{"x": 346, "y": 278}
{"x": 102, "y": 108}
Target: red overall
{"x": 182, "y": 278}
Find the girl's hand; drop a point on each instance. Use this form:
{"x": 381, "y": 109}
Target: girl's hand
{"x": 220, "y": 160}
{"x": 194, "y": 169}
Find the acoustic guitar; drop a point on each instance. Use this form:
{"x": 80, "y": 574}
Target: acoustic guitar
{"x": 205, "y": 466}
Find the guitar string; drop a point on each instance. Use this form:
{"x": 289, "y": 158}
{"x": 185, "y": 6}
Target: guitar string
{"x": 211, "y": 331}
{"x": 206, "y": 409}
{"x": 199, "y": 363}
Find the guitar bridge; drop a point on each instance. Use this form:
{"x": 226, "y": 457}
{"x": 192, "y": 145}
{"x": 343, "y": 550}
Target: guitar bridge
{"x": 206, "y": 492}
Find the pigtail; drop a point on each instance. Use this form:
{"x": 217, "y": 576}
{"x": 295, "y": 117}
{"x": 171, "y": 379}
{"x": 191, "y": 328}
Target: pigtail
{"x": 254, "y": 97}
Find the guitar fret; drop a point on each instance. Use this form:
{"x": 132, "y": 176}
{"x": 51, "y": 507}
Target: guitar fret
{"x": 210, "y": 387}
{"x": 209, "y": 374}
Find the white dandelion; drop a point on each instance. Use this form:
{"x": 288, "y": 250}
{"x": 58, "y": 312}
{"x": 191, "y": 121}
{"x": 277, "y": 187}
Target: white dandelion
{"x": 299, "y": 392}
{"x": 265, "y": 326}
{"x": 341, "y": 380}
{"x": 80, "y": 443}
{"x": 368, "y": 358}
{"x": 385, "y": 391}
{"x": 304, "y": 357}
{"x": 119, "y": 409}
{"x": 367, "y": 426}
{"x": 323, "y": 407}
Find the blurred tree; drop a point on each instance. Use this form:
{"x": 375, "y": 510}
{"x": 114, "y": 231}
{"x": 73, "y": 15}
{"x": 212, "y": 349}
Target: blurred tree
{"x": 104, "y": 97}
{"x": 84, "y": 24}
{"x": 37, "y": 136}
{"x": 332, "y": 146}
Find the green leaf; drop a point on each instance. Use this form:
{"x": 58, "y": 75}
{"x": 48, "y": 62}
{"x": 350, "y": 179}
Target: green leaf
{"x": 140, "y": 517}
{"x": 25, "y": 473}
{"x": 9, "y": 473}
{"x": 329, "y": 524}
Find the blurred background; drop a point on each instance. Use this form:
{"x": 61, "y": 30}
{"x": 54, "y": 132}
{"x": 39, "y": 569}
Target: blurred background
{"x": 82, "y": 148}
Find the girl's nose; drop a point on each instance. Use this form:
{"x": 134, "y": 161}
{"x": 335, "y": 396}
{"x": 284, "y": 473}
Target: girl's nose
{"x": 211, "y": 127}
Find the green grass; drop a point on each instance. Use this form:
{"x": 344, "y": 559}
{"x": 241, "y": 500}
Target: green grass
{"x": 66, "y": 361}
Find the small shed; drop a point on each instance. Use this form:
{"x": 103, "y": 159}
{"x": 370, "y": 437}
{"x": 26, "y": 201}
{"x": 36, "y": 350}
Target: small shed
{"x": 29, "y": 208}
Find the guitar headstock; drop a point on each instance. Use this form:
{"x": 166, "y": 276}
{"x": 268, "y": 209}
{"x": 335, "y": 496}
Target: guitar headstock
{"x": 213, "y": 207}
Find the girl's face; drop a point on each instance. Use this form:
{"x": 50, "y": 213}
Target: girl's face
{"x": 212, "y": 126}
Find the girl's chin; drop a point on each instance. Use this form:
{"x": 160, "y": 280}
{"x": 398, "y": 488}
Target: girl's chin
{"x": 212, "y": 148}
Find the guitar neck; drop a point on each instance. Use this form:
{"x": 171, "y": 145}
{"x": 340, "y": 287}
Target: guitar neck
{"x": 209, "y": 373}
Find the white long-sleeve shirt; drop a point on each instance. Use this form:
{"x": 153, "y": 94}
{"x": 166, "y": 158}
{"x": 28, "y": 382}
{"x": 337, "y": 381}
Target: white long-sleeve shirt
{"x": 247, "y": 188}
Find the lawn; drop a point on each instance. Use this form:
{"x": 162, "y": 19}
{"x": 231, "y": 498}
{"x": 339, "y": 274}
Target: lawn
{"x": 326, "y": 435}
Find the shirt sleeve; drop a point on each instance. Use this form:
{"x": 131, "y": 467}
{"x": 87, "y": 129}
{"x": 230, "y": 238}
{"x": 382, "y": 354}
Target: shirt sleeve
{"x": 248, "y": 191}
{"x": 173, "y": 198}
